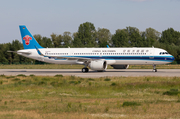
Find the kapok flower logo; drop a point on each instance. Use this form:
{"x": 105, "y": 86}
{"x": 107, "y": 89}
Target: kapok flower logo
{"x": 27, "y": 39}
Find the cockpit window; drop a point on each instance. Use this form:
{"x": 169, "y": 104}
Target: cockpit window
{"x": 163, "y": 53}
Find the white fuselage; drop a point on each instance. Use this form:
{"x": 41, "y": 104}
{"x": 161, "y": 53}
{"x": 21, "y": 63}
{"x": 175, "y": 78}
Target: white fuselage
{"x": 113, "y": 56}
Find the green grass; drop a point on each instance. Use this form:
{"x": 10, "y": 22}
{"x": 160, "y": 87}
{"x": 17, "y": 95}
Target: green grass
{"x": 21, "y": 75}
{"x": 107, "y": 79}
{"x": 130, "y": 104}
{"x": 172, "y": 92}
{"x": 75, "y": 97}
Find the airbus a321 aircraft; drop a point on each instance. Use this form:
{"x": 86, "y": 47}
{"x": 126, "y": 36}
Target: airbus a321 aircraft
{"x": 94, "y": 58}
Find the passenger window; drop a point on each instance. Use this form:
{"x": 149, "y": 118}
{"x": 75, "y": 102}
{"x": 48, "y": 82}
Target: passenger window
{"x": 137, "y": 51}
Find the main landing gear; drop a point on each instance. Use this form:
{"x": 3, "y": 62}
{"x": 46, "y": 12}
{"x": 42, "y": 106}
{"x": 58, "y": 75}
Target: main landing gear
{"x": 154, "y": 68}
{"x": 85, "y": 69}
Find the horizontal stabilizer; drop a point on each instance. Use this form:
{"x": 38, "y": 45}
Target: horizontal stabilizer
{"x": 21, "y": 52}
{"x": 12, "y": 51}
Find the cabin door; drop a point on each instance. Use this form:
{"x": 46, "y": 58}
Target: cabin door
{"x": 71, "y": 53}
{"x": 151, "y": 55}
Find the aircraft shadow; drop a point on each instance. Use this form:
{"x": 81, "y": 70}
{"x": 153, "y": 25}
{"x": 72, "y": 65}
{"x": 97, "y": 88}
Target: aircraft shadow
{"x": 50, "y": 72}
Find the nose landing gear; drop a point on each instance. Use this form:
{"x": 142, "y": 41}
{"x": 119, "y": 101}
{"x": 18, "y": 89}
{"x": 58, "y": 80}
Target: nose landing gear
{"x": 154, "y": 68}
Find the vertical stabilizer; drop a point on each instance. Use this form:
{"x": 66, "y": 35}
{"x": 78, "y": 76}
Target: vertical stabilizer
{"x": 29, "y": 42}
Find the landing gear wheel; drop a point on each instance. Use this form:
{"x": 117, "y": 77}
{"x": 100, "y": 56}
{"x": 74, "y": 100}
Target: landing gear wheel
{"x": 85, "y": 70}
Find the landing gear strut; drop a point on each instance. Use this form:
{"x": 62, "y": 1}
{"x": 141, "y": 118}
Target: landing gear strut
{"x": 85, "y": 69}
{"x": 154, "y": 68}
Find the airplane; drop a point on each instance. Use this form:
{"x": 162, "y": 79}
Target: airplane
{"x": 95, "y": 58}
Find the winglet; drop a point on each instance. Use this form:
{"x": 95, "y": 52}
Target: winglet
{"x": 107, "y": 46}
{"x": 39, "y": 52}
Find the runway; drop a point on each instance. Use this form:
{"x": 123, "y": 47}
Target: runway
{"x": 93, "y": 74}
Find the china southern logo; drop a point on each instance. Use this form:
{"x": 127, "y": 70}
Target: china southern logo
{"x": 27, "y": 39}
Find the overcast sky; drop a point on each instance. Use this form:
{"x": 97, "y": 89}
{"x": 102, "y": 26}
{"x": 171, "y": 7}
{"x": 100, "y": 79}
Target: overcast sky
{"x": 45, "y": 17}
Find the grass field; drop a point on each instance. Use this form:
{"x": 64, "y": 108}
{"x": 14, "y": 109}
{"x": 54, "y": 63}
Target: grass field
{"x": 56, "y": 66}
{"x": 69, "y": 97}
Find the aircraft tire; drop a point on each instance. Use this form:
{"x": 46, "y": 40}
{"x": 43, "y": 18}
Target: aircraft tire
{"x": 85, "y": 70}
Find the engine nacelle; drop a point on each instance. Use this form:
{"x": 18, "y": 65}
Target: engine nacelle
{"x": 98, "y": 65}
{"x": 120, "y": 66}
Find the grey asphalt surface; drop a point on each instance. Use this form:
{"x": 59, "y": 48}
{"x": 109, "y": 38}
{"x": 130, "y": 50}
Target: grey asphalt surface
{"x": 107, "y": 73}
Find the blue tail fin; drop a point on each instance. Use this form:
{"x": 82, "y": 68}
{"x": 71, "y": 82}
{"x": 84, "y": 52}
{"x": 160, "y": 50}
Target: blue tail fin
{"x": 29, "y": 42}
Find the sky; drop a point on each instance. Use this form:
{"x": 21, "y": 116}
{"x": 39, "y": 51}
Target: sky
{"x": 45, "y": 17}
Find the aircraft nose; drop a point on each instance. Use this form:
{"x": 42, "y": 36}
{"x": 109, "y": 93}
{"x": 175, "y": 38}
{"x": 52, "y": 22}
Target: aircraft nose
{"x": 172, "y": 58}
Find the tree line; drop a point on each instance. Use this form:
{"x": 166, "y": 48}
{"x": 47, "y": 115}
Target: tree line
{"x": 88, "y": 36}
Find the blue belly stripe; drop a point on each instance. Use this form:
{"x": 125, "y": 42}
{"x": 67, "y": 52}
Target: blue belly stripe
{"x": 150, "y": 58}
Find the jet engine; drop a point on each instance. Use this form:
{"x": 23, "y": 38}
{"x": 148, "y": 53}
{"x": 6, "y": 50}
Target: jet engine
{"x": 120, "y": 66}
{"x": 98, "y": 65}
